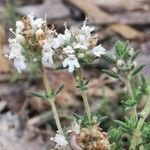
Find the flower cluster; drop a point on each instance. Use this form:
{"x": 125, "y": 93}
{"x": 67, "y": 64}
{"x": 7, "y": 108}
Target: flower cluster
{"x": 77, "y": 46}
{"x": 31, "y": 42}
{"x": 35, "y": 42}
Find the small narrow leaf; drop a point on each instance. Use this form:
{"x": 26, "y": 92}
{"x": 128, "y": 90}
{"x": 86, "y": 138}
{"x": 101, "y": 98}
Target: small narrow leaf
{"x": 59, "y": 89}
{"x": 144, "y": 82}
{"x": 137, "y": 70}
{"x": 37, "y": 95}
{"x": 110, "y": 73}
{"x": 119, "y": 48}
{"x": 122, "y": 124}
{"x": 135, "y": 55}
{"x": 109, "y": 59}
{"x": 125, "y": 55}
{"x": 77, "y": 116}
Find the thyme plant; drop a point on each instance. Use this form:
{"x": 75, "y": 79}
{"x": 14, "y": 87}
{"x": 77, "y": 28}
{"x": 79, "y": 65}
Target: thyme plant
{"x": 40, "y": 46}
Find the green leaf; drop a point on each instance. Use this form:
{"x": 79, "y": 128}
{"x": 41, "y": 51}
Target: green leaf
{"x": 86, "y": 82}
{"x": 125, "y": 55}
{"x": 109, "y": 59}
{"x": 102, "y": 119}
{"x": 78, "y": 117}
{"x": 37, "y": 95}
{"x": 135, "y": 55}
{"x": 59, "y": 89}
{"x": 115, "y": 135}
{"x": 120, "y": 47}
{"x": 122, "y": 124}
{"x": 137, "y": 70}
{"x": 125, "y": 69}
{"x": 144, "y": 82}
{"x": 110, "y": 73}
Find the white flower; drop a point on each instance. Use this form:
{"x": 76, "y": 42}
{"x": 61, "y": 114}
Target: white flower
{"x": 86, "y": 30}
{"x": 63, "y": 38}
{"x": 81, "y": 38}
{"x": 72, "y": 62}
{"x": 20, "y": 38}
{"x": 47, "y": 53}
{"x": 82, "y": 42}
{"x": 36, "y": 23}
{"x": 80, "y": 46}
{"x": 56, "y": 43}
{"x": 68, "y": 50}
{"x": 98, "y": 50}
{"x": 15, "y": 53}
{"x": 19, "y": 26}
{"x": 60, "y": 140}
{"x": 19, "y": 63}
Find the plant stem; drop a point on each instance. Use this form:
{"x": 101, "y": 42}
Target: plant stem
{"x": 136, "y": 140}
{"x": 86, "y": 104}
{"x": 84, "y": 96}
{"x": 51, "y": 100}
{"x": 130, "y": 93}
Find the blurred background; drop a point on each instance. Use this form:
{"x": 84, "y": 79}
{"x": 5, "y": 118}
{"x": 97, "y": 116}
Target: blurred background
{"x": 26, "y": 122}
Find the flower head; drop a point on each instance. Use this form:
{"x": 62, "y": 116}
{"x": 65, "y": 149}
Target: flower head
{"x": 77, "y": 45}
{"x": 33, "y": 41}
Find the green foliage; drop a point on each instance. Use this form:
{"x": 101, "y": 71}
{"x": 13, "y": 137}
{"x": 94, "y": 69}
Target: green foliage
{"x": 121, "y": 49}
{"x": 128, "y": 126}
{"x": 110, "y": 73}
{"x": 36, "y": 94}
{"x": 125, "y": 68}
{"x": 82, "y": 84}
{"x": 146, "y": 133}
{"x": 109, "y": 59}
{"x": 115, "y": 138}
{"x": 135, "y": 55}
{"x": 145, "y": 86}
{"x": 48, "y": 95}
{"x": 137, "y": 70}
{"x": 89, "y": 122}
{"x": 130, "y": 102}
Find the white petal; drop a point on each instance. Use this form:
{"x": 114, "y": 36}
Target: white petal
{"x": 68, "y": 50}
{"x": 72, "y": 62}
{"x": 80, "y": 46}
{"x": 98, "y": 50}
{"x": 19, "y": 64}
{"x": 56, "y": 43}
{"x": 60, "y": 140}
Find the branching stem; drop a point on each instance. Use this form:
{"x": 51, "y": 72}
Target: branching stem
{"x": 51, "y": 100}
{"x": 136, "y": 140}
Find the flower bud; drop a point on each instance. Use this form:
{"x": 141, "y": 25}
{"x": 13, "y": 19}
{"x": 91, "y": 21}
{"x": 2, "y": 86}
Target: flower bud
{"x": 131, "y": 52}
{"x": 120, "y": 63}
{"x": 35, "y": 60}
{"x": 39, "y": 32}
{"x": 114, "y": 69}
{"x": 81, "y": 55}
{"x": 134, "y": 64}
{"x": 20, "y": 24}
{"x": 20, "y": 38}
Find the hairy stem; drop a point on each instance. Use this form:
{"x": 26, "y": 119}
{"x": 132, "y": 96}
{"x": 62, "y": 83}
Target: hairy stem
{"x": 84, "y": 96}
{"x": 130, "y": 93}
{"x": 51, "y": 100}
{"x": 86, "y": 104}
{"x": 136, "y": 140}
